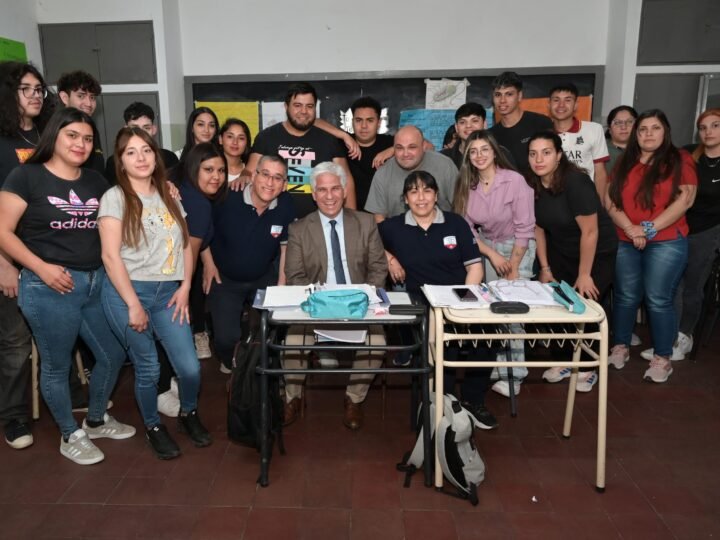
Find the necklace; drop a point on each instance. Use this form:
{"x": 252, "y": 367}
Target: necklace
{"x": 37, "y": 135}
{"x": 712, "y": 164}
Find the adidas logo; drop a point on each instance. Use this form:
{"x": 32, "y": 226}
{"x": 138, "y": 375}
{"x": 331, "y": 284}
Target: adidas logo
{"x": 75, "y": 207}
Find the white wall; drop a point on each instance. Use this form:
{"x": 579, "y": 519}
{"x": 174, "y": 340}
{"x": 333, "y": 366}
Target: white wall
{"x": 79, "y": 11}
{"x": 17, "y": 21}
{"x": 284, "y": 36}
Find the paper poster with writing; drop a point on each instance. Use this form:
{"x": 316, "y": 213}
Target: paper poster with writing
{"x": 433, "y": 123}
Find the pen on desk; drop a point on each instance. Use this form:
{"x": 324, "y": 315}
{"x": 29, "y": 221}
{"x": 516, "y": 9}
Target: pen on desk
{"x": 565, "y": 297}
{"x": 485, "y": 293}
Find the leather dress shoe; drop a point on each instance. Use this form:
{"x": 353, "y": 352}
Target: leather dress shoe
{"x": 292, "y": 411}
{"x": 353, "y": 417}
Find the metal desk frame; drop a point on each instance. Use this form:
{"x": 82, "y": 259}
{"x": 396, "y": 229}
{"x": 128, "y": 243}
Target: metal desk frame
{"x": 272, "y": 321}
{"x": 537, "y": 315}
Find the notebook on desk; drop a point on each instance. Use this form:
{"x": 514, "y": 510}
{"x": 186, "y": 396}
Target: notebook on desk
{"x": 532, "y": 293}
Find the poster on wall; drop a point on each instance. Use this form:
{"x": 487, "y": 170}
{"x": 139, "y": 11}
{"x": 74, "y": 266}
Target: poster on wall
{"x": 432, "y": 123}
{"x": 445, "y": 93}
{"x": 12, "y": 50}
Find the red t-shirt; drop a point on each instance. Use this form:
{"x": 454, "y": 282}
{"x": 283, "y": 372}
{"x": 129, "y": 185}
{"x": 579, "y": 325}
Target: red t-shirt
{"x": 661, "y": 197}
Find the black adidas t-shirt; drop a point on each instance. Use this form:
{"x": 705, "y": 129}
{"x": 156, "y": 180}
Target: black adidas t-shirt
{"x": 60, "y": 222}
{"x": 301, "y": 154}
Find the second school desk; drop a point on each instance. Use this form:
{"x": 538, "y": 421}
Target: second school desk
{"x": 443, "y": 329}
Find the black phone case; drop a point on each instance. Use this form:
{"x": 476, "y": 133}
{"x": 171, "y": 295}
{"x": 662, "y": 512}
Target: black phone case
{"x": 509, "y": 307}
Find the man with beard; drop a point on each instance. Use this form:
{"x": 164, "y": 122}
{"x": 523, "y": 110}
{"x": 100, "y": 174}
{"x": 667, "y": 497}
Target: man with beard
{"x": 302, "y": 145}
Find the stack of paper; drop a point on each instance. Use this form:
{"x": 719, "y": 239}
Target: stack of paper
{"x": 532, "y": 293}
{"x": 443, "y": 296}
{"x": 294, "y": 295}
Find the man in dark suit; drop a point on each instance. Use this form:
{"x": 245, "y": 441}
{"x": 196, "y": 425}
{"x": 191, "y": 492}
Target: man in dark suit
{"x": 335, "y": 246}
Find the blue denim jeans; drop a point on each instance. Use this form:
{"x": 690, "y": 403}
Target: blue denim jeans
{"x": 176, "y": 339}
{"x": 56, "y": 321}
{"x": 653, "y": 274}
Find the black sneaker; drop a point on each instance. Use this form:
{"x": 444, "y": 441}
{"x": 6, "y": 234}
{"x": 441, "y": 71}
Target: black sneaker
{"x": 190, "y": 424}
{"x": 402, "y": 359}
{"x": 485, "y": 419}
{"x": 162, "y": 443}
{"x": 18, "y": 434}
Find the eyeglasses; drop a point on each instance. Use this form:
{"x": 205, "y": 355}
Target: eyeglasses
{"x": 485, "y": 151}
{"x": 622, "y": 123}
{"x": 265, "y": 174}
{"x": 30, "y": 91}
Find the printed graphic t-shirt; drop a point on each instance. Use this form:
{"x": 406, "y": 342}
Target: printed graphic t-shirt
{"x": 301, "y": 154}
{"x": 15, "y": 151}
{"x": 60, "y": 222}
{"x": 159, "y": 253}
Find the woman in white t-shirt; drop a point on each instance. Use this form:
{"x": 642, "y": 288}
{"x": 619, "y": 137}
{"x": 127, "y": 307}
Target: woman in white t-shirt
{"x": 236, "y": 143}
{"x": 147, "y": 254}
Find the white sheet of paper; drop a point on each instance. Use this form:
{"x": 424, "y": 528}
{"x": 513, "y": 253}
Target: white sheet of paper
{"x": 343, "y": 336}
{"x": 399, "y": 298}
{"x": 532, "y": 293}
{"x": 443, "y": 296}
{"x": 286, "y": 296}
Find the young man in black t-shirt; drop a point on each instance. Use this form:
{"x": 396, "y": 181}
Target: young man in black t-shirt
{"x": 366, "y": 123}
{"x": 140, "y": 115}
{"x": 468, "y": 118}
{"x": 79, "y": 89}
{"x": 516, "y": 126}
{"x": 302, "y": 145}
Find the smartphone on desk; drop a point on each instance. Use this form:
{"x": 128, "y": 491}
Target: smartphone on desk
{"x": 465, "y": 295}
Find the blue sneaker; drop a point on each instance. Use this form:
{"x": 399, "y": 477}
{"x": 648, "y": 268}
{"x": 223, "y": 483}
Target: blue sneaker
{"x": 586, "y": 380}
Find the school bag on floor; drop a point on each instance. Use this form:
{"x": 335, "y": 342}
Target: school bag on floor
{"x": 243, "y": 413}
{"x": 460, "y": 461}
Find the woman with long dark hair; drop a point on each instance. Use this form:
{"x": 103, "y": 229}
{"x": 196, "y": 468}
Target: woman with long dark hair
{"x": 147, "y": 253}
{"x": 202, "y": 126}
{"x": 491, "y": 195}
{"x": 651, "y": 189}
{"x": 236, "y": 142}
{"x": 24, "y": 111}
{"x": 48, "y": 212}
{"x": 576, "y": 242}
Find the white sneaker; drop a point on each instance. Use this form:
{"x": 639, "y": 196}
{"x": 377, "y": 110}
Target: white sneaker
{"x": 556, "y": 374}
{"x": 503, "y": 388}
{"x": 111, "y": 429}
{"x": 80, "y": 449}
{"x": 168, "y": 403}
{"x": 202, "y": 345}
{"x": 683, "y": 345}
{"x": 659, "y": 371}
{"x": 586, "y": 380}
{"x": 619, "y": 356}
{"x": 635, "y": 340}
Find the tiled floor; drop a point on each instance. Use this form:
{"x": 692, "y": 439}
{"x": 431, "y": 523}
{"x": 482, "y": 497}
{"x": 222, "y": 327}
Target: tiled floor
{"x": 663, "y": 477}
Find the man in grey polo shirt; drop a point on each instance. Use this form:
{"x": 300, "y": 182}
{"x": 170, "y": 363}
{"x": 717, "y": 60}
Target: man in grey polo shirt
{"x": 385, "y": 198}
